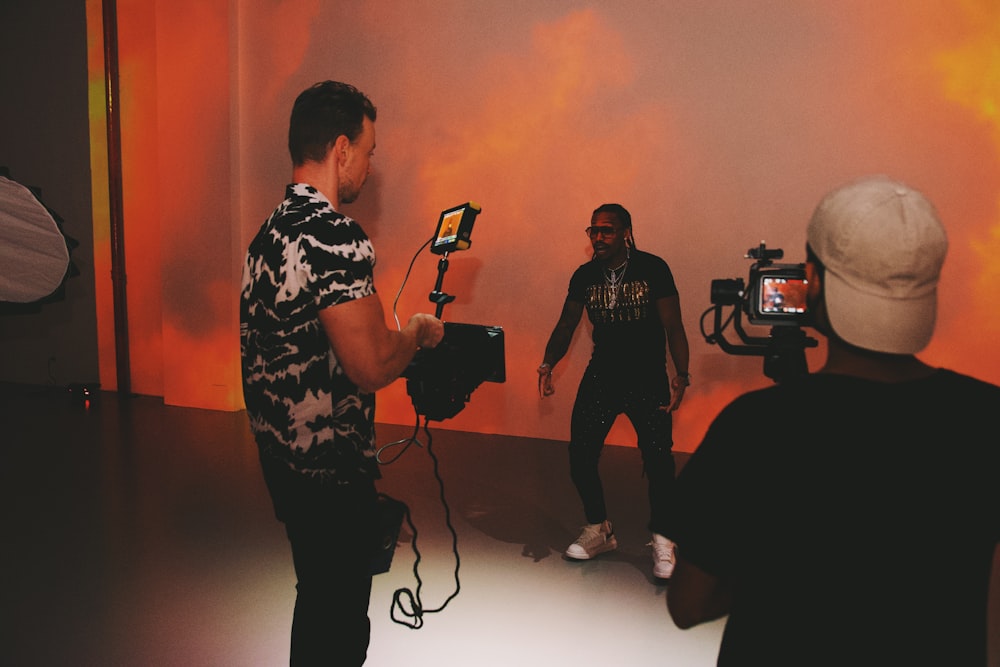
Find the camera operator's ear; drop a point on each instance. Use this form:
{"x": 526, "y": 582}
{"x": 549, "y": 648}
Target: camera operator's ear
{"x": 814, "y": 298}
{"x": 813, "y": 276}
{"x": 340, "y": 146}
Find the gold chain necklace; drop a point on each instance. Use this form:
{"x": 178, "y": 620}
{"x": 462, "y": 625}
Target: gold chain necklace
{"x": 613, "y": 281}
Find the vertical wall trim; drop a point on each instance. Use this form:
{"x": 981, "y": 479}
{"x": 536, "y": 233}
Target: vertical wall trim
{"x": 117, "y": 230}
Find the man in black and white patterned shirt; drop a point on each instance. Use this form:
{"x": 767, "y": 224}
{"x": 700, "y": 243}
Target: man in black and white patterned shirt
{"x": 315, "y": 347}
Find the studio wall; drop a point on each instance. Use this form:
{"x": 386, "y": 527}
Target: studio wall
{"x": 718, "y": 124}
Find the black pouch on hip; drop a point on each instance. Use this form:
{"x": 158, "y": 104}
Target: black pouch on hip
{"x": 390, "y": 521}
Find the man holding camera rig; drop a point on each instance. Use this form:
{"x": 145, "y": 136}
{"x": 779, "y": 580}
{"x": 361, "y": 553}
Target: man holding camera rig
{"x": 633, "y": 304}
{"x": 315, "y": 348}
{"x": 822, "y": 558}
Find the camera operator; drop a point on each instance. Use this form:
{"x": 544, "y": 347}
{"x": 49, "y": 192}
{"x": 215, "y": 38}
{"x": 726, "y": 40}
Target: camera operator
{"x": 315, "y": 348}
{"x": 861, "y": 528}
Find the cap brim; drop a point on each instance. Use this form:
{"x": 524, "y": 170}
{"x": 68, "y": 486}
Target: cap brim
{"x": 877, "y": 322}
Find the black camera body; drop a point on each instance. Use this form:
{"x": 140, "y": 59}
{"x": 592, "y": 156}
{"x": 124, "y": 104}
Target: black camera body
{"x": 773, "y": 295}
{"x": 441, "y": 379}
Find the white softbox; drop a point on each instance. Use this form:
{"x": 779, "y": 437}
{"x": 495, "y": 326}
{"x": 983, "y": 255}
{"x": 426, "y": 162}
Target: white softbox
{"x": 33, "y": 252}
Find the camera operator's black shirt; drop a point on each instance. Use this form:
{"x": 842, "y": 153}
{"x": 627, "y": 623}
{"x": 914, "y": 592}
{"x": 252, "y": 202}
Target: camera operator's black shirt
{"x": 855, "y": 520}
{"x": 628, "y": 334}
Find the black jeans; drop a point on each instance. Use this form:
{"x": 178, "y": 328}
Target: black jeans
{"x": 601, "y": 397}
{"x": 334, "y": 532}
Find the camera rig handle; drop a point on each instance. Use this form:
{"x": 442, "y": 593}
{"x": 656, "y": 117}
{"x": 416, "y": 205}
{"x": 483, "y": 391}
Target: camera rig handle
{"x": 783, "y": 350}
{"x": 437, "y": 296}
{"x": 763, "y": 255}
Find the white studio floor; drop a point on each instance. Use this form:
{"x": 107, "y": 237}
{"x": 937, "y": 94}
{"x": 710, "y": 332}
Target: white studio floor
{"x": 142, "y": 534}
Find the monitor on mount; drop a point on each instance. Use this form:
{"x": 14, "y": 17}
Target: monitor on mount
{"x": 454, "y": 228}
{"x": 440, "y": 380}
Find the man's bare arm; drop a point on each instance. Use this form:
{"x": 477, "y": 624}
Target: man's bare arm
{"x": 372, "y": 354}
{"x": 558, "y": 345}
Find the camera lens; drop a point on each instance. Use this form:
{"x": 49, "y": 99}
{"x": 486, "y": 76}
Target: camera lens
{"x": 727, "y": 291}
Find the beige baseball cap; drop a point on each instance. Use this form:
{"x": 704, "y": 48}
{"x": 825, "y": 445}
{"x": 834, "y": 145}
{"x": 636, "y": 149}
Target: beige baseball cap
{"x": 882, "y": 245}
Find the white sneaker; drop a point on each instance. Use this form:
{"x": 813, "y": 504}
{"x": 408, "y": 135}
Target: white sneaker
{"x": 663, "y": 556}
{"x": 595, "y": 539}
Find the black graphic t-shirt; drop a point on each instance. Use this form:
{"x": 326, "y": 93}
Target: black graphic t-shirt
{"x": 304, "y": 411}
{"x": 628, "y": 334}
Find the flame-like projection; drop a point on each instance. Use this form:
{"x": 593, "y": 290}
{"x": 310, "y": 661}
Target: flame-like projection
{"x": 970, "y": 73}
{"x": 718, "y": 125}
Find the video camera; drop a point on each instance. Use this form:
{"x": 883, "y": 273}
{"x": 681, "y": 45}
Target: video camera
{"x": 441, "y": 380}
{"x": 777, "y": 292}
{"x": 774, "y": 295}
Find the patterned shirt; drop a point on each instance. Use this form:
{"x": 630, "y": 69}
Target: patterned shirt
{"x": 303, "y": 409}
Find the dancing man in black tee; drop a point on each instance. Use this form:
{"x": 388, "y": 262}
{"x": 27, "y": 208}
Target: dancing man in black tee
{"x": 633, "y": 304}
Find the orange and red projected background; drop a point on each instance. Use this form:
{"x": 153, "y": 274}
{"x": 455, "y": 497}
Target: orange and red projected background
{"x": 718, "y": 124}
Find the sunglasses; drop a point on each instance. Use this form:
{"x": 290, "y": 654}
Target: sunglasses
{"x": 605, "y": 231}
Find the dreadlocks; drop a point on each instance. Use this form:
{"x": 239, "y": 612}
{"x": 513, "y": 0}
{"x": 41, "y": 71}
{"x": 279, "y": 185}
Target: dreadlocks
{"x": 623, "y": 216}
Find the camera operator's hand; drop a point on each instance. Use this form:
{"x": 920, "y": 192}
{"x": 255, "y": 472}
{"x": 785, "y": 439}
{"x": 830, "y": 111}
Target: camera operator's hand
{"x": 545, "y": 386}
{"x": 430, "y": 330}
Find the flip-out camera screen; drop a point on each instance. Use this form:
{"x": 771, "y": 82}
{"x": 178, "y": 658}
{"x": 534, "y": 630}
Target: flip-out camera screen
{"x": 454, "y": 228}
{"x": 782, "y": 295}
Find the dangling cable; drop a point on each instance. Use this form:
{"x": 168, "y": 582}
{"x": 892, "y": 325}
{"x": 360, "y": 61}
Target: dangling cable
{"x": 406, "y": 277}
{"x": 406, "y": 442}
{"x": 725, "y": 324}
{"x": 416, "y": 610}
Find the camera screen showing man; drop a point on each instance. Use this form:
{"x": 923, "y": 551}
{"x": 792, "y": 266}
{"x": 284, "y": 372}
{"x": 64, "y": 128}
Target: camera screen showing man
{"x": 783, "y": 295}
{"x": 454, "y": 228}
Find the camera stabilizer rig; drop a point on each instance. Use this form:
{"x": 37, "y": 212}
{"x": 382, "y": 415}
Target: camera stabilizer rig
{"x": 776, "y": 296}
{"x": 441, "y": 380}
